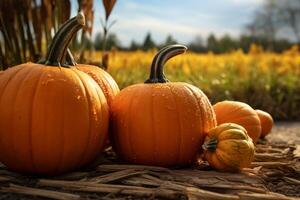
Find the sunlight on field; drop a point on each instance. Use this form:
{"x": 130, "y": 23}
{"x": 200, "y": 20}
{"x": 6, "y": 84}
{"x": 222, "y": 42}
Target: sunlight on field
{"x": 264, "y": 80}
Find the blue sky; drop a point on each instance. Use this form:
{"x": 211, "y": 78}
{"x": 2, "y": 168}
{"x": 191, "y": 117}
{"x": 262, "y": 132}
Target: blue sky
{"x": 183, "y": 19}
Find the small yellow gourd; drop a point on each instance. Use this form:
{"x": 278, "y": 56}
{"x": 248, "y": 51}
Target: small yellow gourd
{"x": 228, "y": 147}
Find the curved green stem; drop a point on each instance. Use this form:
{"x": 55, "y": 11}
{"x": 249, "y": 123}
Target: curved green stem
{"x": 157, "y": 67}
{"x": 152, "y": 78}
{"x": 59, "y": 45}
{"x": 211, "y": 145}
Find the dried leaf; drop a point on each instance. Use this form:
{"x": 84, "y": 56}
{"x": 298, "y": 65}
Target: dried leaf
{"x": 46, "y": 13}
{"x": 108, "y": 6}
{"x": 86, "y": 6}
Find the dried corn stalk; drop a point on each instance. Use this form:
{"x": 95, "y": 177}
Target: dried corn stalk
{"x": 26, "y": 27}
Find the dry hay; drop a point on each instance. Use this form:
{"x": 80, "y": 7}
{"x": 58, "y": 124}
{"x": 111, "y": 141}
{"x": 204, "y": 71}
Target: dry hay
{"x": 275, "y": 174}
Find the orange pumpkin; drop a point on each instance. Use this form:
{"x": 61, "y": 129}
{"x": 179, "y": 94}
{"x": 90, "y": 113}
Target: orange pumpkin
{"x": 228, "y": 147}
{"x": 266, "y": 122}
{"x": 239, "y": 113}
{"x": 104, "y": 80}
{"x": 53, "y": 118}
{"x": 159, "y": 122}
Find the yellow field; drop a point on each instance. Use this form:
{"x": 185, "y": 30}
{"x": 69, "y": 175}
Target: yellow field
{"x": 265, "y": 80}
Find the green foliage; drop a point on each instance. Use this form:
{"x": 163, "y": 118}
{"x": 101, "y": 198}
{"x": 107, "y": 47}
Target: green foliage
{"x": 134, "y": 46}
{"x": 224, "y": 44}
{"x": 148, "y": 43}
{"x": 212, "y": 43}
{"x": 170, "y": 40}
{"x": 111, "y": 41}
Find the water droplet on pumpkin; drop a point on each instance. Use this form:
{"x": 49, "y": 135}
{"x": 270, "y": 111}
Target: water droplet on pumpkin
{"x": 169, "y": 108}
{"x": 78, "y": 97}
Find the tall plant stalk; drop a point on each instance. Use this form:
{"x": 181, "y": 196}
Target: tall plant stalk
{"x": 106, "y": 25}
{"x": 27, "y": 26}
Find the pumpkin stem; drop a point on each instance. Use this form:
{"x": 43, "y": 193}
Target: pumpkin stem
{"x": 211, "y": 145}
{"x": 59, "y": 45}
{"x": 157, "y": 67}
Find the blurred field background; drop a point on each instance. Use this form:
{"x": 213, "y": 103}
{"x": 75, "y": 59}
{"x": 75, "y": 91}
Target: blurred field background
{"x": 260, "y": 66}
{"x": 265, "y": 80}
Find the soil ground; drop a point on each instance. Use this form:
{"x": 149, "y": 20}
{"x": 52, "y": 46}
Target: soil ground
{"x": 288, "y": 132}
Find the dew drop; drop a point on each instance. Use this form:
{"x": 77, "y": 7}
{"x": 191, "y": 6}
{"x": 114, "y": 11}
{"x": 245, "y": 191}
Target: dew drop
{"x": 169, "y": 108}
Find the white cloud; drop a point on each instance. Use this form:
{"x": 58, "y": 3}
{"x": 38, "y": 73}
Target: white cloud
{"x": 159, "y": 28}
{"x": 135, "y": 18}
{"x": 247, "y": 2}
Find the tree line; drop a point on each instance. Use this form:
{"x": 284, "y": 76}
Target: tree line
{"x": 199, "y": 44}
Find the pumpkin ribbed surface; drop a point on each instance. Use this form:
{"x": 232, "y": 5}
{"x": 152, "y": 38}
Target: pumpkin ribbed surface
{"x": 228, "y": 147}
{"x": 160, "y": 124}
{"x": 104, "y": 80}
{"x": 239, "y": 113}
{"x": 52, "y": 119}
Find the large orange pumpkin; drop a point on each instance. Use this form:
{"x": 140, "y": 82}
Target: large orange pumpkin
{"x": 53, "y": 118}
{"x": 104, "y": 80}
{"x": 159, "y": 122}
{"x": 266, "y": 122}
{"x": 239, "y": 113}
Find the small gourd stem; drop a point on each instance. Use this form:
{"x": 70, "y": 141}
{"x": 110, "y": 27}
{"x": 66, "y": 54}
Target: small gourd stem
{"x": 211, "y": 145}
{"x": 157, "y": 71}
{"x": 58, "y": 48}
